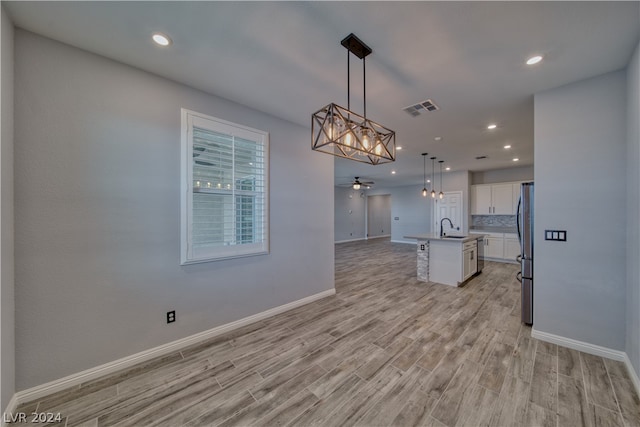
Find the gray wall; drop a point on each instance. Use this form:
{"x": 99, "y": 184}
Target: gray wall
{"x": 378, "y": 215}
{"x": 524, "y": 173}
{"x": 580, "y": 148}
{"x": 412, "y": 210}
{"x": 98, "y": 215}
{"x": 633, "y": 211}
{"x": 7, "y": 356}
{"x": 349, "y": 214}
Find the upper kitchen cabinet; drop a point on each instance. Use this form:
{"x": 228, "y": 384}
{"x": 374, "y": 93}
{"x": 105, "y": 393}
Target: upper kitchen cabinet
{"x": 492, "y": 199}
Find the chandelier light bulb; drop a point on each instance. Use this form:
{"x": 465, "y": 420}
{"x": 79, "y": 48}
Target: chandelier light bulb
{"x": 424, "y": 192}
{"x": 433, "y": 194}
{"x": 441, "y": 195}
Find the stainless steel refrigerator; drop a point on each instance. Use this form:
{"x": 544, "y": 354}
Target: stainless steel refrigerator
{"x": 524, "y": 222}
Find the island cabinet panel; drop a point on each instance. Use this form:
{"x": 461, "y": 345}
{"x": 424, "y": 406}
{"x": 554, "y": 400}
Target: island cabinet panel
{"x": 445, "y": 262}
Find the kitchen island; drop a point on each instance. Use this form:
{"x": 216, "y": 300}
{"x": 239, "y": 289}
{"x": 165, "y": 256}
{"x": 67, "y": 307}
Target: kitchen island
{"x": 450, "y": 260}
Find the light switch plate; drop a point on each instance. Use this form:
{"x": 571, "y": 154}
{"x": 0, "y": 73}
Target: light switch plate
{"x": 555, "y": 235}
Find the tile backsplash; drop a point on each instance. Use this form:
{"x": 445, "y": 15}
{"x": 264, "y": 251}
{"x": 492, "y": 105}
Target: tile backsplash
{"x": 493, "y": 220}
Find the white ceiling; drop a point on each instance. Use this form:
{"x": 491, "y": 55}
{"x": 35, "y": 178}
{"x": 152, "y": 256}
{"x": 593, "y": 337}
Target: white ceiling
{"x": 285, "y": 58}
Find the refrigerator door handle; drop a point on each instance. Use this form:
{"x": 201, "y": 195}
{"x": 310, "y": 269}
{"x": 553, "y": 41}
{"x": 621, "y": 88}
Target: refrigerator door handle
{"x": 518, "y": 221}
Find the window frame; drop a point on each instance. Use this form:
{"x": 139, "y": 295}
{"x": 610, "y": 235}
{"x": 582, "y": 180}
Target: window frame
{"x": 190, "y": 118}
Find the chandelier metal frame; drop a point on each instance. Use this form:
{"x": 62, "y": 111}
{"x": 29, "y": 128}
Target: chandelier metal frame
{"x": 340, "y": 132}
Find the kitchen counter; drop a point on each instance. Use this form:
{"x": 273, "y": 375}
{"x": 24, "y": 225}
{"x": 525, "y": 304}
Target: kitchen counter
{"x": 446, "y": 260}
{"x": 493, "y": 230}
{"x": 463, "y": 239}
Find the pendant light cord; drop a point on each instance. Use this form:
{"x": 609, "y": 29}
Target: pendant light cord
{"x": 364, "y": 85}
{"x": 348, "y": 81}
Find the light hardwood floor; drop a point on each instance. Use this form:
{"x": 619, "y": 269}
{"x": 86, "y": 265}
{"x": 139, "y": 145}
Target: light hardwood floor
{"x": 386, "y": 350}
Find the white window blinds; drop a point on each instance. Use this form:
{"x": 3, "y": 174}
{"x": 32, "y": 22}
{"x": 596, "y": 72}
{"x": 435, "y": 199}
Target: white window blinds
{"x": 226, "y": 189}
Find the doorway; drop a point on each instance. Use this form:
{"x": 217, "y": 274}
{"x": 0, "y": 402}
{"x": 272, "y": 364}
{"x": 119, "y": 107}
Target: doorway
{"x": 449, "y": 207}
{"x": 378, "y": 216}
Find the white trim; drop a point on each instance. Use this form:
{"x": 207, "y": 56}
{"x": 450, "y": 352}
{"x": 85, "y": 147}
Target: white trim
{"x": 632, "y": 373}
{"x": 582, "y": 346}
{"x": 11, "y": 408}
{"x": 38, "y": 392}
{"x": 350, "y": 240}
{"x": 591, "y": 349}
{"x": 378, "y": 237}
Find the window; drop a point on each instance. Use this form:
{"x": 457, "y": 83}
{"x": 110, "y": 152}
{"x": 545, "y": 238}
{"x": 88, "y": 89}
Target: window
{"x": 224, "y": 189}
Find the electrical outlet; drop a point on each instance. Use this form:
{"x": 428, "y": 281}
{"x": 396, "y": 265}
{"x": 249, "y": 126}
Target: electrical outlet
{"x": 171, "y": 316}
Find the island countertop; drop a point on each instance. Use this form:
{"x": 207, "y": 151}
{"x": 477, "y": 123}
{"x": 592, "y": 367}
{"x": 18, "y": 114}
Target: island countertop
{"x": 432, "y": 236}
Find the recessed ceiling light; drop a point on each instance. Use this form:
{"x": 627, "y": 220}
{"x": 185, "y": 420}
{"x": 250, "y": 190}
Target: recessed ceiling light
{"x": 492, "y": 126}
{"x": 161, "y": 39}
{"x": 438, "y": 138}
{"x": 516, "y": 159}
{"x": 534, "y": 60}
{"x": 398, "y": 148}
{"x": 428, "y": 180}
{"x": 393, "y": 172}
{"x": 447, "y": 168}
{"x": 506, "y": 147}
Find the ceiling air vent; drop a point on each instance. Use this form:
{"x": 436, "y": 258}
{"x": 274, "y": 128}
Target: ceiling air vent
{"x": 421, "y": 107}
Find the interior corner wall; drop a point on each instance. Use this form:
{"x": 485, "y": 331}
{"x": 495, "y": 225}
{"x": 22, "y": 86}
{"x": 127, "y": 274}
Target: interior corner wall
{"x": 580, "y": 148}
{"x": 97, "y": 208}
{"x": 633, "y": 211}
{"x": 413, "y": 212}
{"x": 7, "y": 308}
{"x": 349, "y": 214}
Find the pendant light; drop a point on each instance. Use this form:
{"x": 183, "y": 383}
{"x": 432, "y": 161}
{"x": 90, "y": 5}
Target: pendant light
{"x": 424, "y": 174}
{"x": 441, "y": 195}
{"x": 341, "y": 132}
{"x": 433, "y": 178}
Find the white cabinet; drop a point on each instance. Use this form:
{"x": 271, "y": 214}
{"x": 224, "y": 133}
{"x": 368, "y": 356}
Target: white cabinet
{"x": 469, "y": 260}
{"x": 481, "y": 200}
{"x": 511, "y": 247}
{"x": 492, "y": 199}
{"x": 495, "y": 199}
{"x": 502, "y": 199}
{"x": 494, "y": 247}
{"x": 500, "y": 246}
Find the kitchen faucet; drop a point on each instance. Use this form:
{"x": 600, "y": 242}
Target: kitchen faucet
{"x": 441, "y": 233}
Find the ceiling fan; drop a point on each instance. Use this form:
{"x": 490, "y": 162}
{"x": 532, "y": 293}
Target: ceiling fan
{"x": 357, "y": 184}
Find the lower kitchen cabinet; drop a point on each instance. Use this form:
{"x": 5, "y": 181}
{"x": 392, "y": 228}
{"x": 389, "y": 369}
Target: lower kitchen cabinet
{"x": 494, "y": 247}
{"x": 500, "y": 246}
{"x": 511, "y": 247}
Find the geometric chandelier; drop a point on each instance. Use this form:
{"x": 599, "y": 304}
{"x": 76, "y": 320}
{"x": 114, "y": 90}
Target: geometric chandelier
{"x": 341, "y": 132}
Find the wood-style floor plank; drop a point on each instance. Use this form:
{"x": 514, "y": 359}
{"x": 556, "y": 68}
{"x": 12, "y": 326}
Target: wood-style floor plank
{"x": 387, "y": 349}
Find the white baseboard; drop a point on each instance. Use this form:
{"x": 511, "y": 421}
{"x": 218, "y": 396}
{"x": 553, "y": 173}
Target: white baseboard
{"x": 632, "y": 373}
{"x": 350, "y": 240}
{"x": 379, "y": 237}
{"x": 591, "y": 349}
{"x": 582, "y": 346}
{"x": 11, "y": 408}
{"x": 38, "y": 392}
